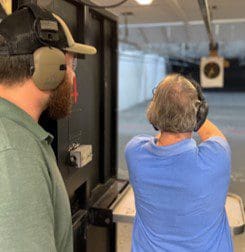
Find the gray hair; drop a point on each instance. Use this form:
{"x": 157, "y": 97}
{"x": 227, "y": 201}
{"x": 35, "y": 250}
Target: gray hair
{"x": 174, "y": 105}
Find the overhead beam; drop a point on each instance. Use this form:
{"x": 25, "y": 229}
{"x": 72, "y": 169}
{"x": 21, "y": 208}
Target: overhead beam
{"x": 193, "y": 22}
{"x": 204, "y": 7}
{"x": 146, "y": 25}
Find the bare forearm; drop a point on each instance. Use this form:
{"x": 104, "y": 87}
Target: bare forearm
{"x": 208, "y": 130}
{"x": 158, "y": 135}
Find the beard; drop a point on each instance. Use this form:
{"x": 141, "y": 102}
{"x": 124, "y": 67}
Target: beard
{"x": 60, "y": 101}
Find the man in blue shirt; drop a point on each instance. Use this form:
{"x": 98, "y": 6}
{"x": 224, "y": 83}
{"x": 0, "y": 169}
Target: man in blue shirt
{"x": 180, "y": 187}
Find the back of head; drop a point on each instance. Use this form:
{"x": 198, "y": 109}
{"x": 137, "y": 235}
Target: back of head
{"x": 22, "y": 36}
{"x": 174, "y": 105}
{"x": 18, "y": 41}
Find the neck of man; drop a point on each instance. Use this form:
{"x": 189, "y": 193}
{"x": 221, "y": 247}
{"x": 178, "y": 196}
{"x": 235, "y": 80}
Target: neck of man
{"x": 168, "y": 138}
{"x": 26, "y": 96}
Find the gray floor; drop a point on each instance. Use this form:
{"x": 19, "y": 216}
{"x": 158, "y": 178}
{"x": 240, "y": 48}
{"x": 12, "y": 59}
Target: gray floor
{"x": 227, "y": 111}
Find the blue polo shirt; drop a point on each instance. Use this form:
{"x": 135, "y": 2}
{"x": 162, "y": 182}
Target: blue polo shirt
{"x": 180, "y": 192}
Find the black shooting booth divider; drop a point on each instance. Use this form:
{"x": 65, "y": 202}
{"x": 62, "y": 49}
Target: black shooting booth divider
{"x": 89, "y": 134}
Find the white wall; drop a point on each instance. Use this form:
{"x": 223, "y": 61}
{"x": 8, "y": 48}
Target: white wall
{"x": 138, "y": 74}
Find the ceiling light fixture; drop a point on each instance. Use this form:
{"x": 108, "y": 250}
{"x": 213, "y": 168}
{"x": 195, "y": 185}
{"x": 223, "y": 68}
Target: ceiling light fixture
{"x": 144, "y": 2}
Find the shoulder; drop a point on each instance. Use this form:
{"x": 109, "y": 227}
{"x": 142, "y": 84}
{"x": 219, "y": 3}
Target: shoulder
{"x": 134, "y": 147}
{"x": 20, "y": 152}
{"x": 215, "y": 149}
{"x": 20, "y": 162}
{"x": 15, "y": 136}
{"x": 218, "y": 143}
{"x": 137, "y": 141}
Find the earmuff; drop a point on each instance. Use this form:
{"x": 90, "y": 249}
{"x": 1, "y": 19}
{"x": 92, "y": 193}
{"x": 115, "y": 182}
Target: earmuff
{"x": 48, "y": 66}
{"x": 202, "y": 110}
{"x": 201, "y": 115}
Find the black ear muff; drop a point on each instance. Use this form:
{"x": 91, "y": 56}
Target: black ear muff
{"x": 201, "y": 114}
{"x": 202, "y": 111}
{"x": 49, "y": 68}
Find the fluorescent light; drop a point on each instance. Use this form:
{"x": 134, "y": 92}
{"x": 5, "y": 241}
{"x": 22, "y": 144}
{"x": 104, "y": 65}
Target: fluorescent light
{"x": 144, "y": 2}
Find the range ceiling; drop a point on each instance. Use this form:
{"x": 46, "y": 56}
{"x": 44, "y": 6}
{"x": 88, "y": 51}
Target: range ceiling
{"x": 175, "y": 28}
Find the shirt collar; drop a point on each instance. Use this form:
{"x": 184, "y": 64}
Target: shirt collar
{"x": 173, "y": 149}
{"x": 16, "y": 114}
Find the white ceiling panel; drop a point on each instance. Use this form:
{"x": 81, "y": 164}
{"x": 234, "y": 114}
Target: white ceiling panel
{"x": 176, "y": 25}
{"x": 227, "y": 8}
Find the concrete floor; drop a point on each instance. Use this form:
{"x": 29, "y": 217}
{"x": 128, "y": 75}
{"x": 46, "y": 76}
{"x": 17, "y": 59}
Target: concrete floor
{"x": 227, "y": 111}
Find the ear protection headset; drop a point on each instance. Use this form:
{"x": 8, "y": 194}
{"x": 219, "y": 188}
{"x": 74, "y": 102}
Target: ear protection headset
{"x": 202, "y": 111}
{"x": 47, "y": 63}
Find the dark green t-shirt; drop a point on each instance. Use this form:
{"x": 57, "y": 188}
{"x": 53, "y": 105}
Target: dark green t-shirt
{"x": 34, "y": 206}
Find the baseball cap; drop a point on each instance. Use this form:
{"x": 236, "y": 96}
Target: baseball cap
{"x": 31, "y": 27}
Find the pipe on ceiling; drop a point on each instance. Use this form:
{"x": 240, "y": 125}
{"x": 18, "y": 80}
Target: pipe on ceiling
{"x": 204, "y": 7}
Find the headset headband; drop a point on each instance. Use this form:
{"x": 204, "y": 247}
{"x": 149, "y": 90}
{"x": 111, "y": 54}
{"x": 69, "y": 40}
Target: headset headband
{"x": 45, "y": 25}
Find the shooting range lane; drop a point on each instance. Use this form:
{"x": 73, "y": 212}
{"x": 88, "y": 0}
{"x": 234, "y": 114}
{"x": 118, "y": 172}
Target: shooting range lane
{"x": 227, "y": 110}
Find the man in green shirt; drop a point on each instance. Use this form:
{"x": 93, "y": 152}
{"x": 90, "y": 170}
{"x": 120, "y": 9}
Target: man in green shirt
{"x": 36, "y": 72}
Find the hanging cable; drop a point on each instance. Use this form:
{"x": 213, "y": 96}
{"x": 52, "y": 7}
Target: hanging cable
{"x": 105, "y": 6}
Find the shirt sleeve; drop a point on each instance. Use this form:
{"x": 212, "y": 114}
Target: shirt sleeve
{"x": 215, "y": 150}
{"x": 136, "y": 142}
{"x": 26, "y": 209}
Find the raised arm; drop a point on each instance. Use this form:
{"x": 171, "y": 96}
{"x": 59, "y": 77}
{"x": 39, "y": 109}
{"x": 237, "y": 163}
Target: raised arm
{"x": 208, "y": 130}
